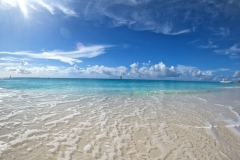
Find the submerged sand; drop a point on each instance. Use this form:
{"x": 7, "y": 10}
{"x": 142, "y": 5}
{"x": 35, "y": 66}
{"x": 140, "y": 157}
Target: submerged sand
{"x": 172, "y": 126}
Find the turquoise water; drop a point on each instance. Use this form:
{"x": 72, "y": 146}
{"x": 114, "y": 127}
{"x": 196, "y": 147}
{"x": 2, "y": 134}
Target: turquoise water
{"x": 110, "y": 86}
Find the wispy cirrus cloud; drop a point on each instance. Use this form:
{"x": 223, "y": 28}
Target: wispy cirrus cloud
{"x": 223, "y": 69}
{"x": 159, "y": 16}
{"x": 47, "y": 6}
{"x": 166, "y": 17}
{"x": 233, "y": 51}
{"x": 37, "y": 5}
{"x": 138, "y": 15}
{"x": 202, "y": 45}
{"x": 224, "y": 32}
{"x": 66, "y": 11}
{"x": 70, "y": 57}
{"x": 210, "y": 45}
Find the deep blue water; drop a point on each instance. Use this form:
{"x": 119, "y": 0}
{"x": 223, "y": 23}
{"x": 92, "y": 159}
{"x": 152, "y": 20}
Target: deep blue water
{"x": 110, "y": 86}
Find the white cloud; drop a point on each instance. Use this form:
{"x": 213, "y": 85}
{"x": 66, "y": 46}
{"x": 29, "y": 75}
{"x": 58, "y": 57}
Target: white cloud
{"x": 157, "y": 70}
{"x": 53, "y": 55}
{"x": 23, "y": 71}
{"x": 146, "y": 64}
{"x": 12, "y": 69}
{"x": 18, "y": 70}
{"x": 199, "y": 73}
{"x": 40, "y": 71}
{"x": 154, "y": 71}
{"x": 8, "y": 59}
{"x": 110, "y": 71}
{"x": 12, "y": 62}
{"x": 160, "y": 70}
{"x": 22, "y": 67}
{"x": 8, "y": 64}
{"x": 179, "y": 32}
{"x": 23, "y": 63}
{"x": 236, "y": 74}
{"x": 135, "y": 70}
{"x": 184, "y": 69}
{"x": 234, "y": 49}
{"x": 70, "y": 57}
{"x": 190, "y": 72}
{"x": 51, "y": 70}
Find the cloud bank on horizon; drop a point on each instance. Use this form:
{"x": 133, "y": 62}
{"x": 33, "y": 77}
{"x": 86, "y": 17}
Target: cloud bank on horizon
{"x": 213, "y": 21}
{"x": 133, "y": 71}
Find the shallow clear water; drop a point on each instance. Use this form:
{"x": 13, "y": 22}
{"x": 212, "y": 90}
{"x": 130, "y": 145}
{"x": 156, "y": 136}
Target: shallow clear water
{"x": 118, "y": 119}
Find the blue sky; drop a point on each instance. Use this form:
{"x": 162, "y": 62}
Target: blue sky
{"x": 146, "y": 39}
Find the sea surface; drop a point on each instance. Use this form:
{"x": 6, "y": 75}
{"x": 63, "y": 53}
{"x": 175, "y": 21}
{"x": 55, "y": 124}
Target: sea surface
{"x": 109, "y": 86}
{"x": 43, "y": 118}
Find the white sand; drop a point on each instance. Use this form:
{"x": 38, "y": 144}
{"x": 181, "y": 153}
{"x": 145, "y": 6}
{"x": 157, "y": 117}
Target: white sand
{"x": 199, "y": 126}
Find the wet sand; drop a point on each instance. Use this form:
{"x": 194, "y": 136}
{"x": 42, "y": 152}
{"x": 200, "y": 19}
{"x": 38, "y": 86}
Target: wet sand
{"x": 172, "y": 126}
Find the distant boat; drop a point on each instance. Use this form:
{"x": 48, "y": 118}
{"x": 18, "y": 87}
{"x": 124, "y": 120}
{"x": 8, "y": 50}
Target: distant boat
{"x": 225, "y": 81}
{"x": 121, "y": 77}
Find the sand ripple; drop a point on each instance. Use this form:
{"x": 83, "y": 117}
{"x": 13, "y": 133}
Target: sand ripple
{"x": 53, "y": 126}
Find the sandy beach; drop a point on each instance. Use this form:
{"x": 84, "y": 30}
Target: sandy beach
{"x": 173, "y": 126}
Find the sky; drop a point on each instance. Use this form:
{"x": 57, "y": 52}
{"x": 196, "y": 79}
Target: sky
{"x": 138, "y": 39}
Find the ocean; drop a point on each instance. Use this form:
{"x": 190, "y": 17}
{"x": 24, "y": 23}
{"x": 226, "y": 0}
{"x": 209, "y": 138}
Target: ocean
{"x": 43, "y": 118}
{"x": 109, "y": 86}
